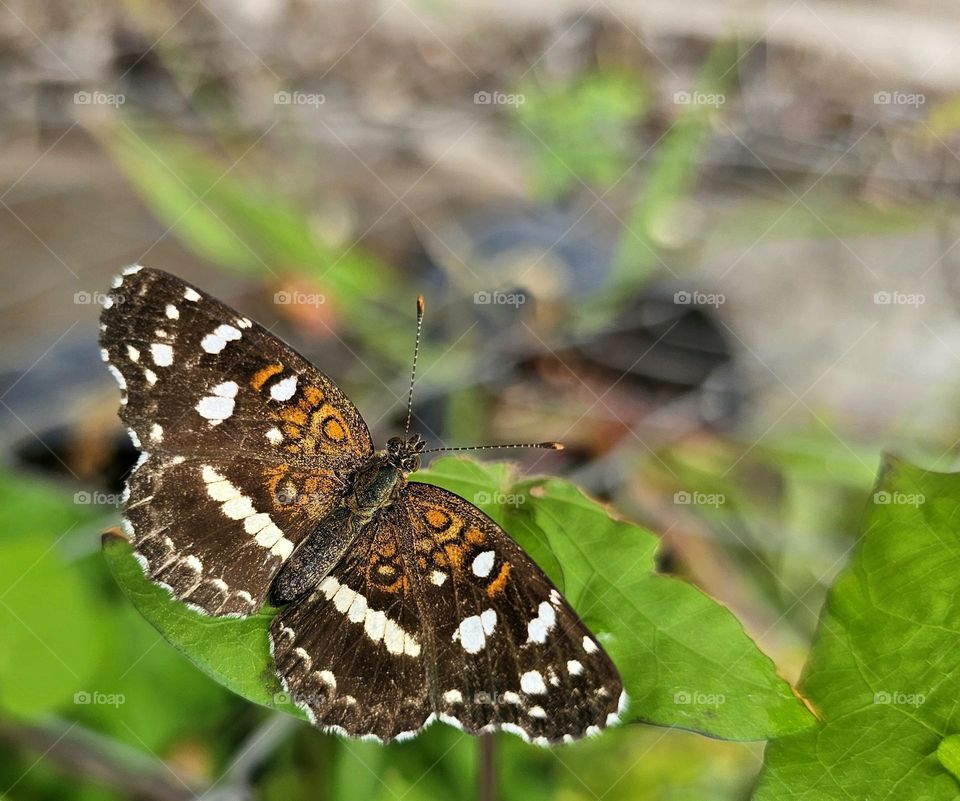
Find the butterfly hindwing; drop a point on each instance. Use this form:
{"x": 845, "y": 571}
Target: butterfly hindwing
{"x": 244, "y": 442}
{"x": 353, "y": 654}
{"x": 510, "y": 652}
{"x": 436, "y": 612}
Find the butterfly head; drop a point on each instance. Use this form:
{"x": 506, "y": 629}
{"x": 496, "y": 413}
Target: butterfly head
{"x": 404, "y": 454}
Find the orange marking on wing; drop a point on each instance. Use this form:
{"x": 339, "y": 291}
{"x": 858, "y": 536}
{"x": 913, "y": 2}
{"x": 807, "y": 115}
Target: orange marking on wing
{"x": 293, "y": 414}
{"x": 475, "y": 536}
{"x": 454, "y": 554}
{"x": 313, "y": 395}
{"x": 333, "y": 429}
{"x": 438, "y": 519}
{"x": 496, "y": 586}
{"x": 264, "y": 374}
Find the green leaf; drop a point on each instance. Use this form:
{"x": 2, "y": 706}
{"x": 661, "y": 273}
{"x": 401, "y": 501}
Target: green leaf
{"x": 236, "y": 653}
{"x": 884, "y": 671}
{"x": 685, "y": 659}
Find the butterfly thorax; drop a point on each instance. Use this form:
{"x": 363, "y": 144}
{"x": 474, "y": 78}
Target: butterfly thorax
{"x": 379, "y": 481}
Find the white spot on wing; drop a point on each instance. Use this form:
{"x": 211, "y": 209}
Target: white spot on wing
{"x": 156, "y": 432}
{"x": 191, "y": 294}
{"x": 218, "y": 406}
{"x": 574, "y": 668}
{"x": 539, "y": 627}
{"x": 237, "y": 506}
{"x": 274, "y": 436}
{"x": 483, "y": 564}
{"x": 589, "y": 645}
{"x": 453, "y": 697}
{"x": 328, "y": 678}
{"x": 162, "y": 354}
{"x": 532, "y": 683}
{"x": 150, "y": 376}
{"x": 470, "y": 633}
{"x": 536, "y": 712}
{"x": 438, "y": 577}
{"x": 133, "y": 353}
{"x": 283, "y": 390}
{"x": 173, "y": 312}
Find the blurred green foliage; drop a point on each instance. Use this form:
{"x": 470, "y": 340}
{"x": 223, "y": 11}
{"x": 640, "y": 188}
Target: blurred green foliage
{"x": 580, "y": 133}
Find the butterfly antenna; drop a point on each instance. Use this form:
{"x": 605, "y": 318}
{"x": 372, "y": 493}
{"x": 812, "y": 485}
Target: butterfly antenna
{"x": 413, "y": 371}
{"x": 550, "y": 446}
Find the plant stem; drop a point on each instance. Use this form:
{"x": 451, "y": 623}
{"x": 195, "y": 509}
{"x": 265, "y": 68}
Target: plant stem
{"x": 486, "y": 768}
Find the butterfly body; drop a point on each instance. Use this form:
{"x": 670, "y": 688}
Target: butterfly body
{"x": 372, "y": 490}
{"x": 402, "y": 603}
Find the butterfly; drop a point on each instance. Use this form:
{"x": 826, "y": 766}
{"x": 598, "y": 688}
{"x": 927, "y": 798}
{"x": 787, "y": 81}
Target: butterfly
{"x": 258, "y": 483}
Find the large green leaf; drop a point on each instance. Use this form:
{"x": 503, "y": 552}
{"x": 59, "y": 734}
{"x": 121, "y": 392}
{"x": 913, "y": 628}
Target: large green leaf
{"x": 885, "y": 669}
{"x": 685, "y": 659}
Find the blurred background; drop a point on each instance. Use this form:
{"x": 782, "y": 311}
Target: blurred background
{"x": 710, "y": 247}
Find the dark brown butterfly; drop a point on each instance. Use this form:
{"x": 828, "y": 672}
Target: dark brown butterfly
{"x": 259, "y": 482}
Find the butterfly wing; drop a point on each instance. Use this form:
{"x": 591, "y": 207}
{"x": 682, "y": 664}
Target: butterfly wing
{"x": 509, "y": 651}
{"x": 436, "y": 612}
{"x": 244, "y": 442}
{"x": 353, "y": 654}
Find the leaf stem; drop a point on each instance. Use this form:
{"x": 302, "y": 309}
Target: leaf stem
{"x": 486, "y": 768}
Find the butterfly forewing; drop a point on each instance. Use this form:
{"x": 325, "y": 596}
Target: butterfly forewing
{"x": 244, "y": 442}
